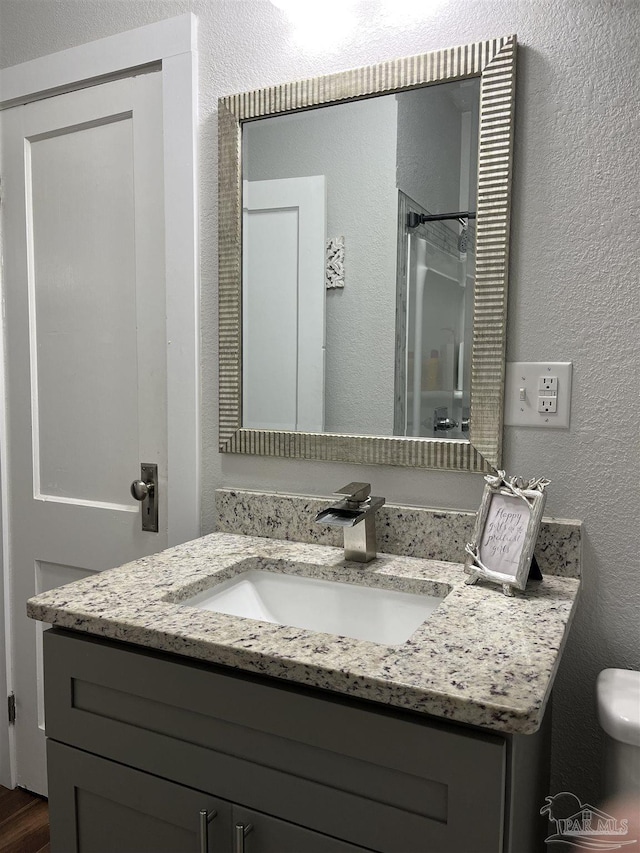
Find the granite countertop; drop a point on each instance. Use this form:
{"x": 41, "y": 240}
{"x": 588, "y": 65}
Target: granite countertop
{"x": 482, "y": 658}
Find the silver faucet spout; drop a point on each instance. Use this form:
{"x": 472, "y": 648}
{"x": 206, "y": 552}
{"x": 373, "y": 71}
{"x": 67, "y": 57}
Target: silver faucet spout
{"x": 356, "y": 514}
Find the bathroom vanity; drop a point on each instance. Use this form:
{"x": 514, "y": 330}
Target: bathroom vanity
{"x": 175, "y": 728}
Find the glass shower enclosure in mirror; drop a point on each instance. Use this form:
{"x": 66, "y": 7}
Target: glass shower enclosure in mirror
{"x": 353, "y": 325}
{"x": 436, "y": 259}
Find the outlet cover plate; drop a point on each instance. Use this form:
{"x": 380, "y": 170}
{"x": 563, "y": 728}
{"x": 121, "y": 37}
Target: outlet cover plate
{"x": 526, "y": 374}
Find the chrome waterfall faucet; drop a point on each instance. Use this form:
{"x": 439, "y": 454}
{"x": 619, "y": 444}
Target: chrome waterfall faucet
{"x": 356, "y": 513}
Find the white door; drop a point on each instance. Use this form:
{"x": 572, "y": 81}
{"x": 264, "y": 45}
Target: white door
{"x": 283, "y": 312}
{"x": 84, "y": 277}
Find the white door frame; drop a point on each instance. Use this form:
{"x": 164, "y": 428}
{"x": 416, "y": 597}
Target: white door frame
{"x": 172, "y": 46}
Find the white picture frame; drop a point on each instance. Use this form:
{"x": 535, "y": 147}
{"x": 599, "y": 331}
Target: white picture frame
{"x": 506, "y": 531}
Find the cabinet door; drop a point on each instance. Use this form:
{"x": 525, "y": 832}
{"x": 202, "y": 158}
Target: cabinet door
{"x": 99, "y": 806}
{"x": 255, "y": 832}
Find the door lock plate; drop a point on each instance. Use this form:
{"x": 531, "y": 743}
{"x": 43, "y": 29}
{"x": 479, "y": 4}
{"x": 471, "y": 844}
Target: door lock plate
{"x": 145, "y": 490}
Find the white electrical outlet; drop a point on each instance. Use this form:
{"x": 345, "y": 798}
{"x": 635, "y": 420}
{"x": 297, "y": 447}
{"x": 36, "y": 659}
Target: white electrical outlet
{"x": 537, "y": 393}
{"x": 547, "y": 405}
{"x": 548, "y": 385}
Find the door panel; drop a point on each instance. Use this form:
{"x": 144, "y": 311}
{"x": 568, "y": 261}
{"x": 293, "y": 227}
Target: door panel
{"x": 84, "y": 270}
{"x": 270, "y": 342}
{"x": 83, "y": 323}
{"x": 283, "y": 314}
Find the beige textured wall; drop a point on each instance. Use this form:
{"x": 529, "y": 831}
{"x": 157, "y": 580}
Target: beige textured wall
{"x": 574, "y": 262}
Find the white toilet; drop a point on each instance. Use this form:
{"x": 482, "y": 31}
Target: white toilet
{"x": 618, "y": 692}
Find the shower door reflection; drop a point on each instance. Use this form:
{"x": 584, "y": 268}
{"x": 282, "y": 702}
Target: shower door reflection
{"x": 435, "y": 314}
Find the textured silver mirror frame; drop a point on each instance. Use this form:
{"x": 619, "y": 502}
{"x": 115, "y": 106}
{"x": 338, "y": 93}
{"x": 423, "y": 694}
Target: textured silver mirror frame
{"x": 494, "y": 62}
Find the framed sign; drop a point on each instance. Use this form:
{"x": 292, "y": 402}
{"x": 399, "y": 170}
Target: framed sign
{"x": 506, "y": 530}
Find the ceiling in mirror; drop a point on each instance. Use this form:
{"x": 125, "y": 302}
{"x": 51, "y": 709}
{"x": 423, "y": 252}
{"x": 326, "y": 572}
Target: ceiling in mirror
{"x": 363, "y": 262}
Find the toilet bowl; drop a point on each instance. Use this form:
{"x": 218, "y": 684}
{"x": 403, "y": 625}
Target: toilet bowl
{"x": 618, "y": 692}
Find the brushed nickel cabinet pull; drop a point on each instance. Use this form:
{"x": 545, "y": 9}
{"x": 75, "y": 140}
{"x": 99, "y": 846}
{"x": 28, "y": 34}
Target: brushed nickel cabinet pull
{"x": 205, "y": 819}
{"x": 240, "y": 834}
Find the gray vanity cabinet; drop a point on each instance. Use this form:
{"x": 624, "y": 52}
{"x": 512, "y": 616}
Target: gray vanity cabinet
{"x": 139, "y": 742}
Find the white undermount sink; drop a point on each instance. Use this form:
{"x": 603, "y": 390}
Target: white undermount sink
{"x": 361, "y": 612}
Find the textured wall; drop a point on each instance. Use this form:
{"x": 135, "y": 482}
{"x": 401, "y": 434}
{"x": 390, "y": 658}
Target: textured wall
{"x": 429, "y": 144}
{"x": 574, "y": 282}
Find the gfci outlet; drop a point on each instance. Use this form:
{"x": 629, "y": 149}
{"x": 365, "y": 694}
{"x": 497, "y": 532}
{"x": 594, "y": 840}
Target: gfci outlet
{"x": 537, "y": 393}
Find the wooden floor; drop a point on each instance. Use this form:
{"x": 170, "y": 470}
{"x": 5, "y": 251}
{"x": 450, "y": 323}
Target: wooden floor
{"x": 24, "y": 822}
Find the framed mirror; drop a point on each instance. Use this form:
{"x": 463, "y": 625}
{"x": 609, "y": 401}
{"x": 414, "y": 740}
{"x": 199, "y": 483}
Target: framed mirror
{"x": 363, "y": 262}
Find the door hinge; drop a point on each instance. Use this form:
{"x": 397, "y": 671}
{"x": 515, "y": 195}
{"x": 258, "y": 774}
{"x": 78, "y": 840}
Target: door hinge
{"x": 11, "y": 707}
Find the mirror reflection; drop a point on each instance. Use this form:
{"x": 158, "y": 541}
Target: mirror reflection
{"x": 358, "y": 265}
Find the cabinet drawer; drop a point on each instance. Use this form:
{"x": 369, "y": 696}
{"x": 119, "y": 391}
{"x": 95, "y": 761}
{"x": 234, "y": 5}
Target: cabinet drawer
{"x": 386, "y": 781}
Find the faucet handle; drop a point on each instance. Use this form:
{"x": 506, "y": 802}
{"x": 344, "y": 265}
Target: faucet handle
{"x": 355, "y": 492}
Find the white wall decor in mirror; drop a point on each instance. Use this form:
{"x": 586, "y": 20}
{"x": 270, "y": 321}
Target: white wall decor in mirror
{"x": 404, "y": 364}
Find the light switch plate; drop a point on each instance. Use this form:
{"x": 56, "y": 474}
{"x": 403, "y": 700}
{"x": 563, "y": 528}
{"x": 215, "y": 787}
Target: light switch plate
{"x": 527, "y": 375}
